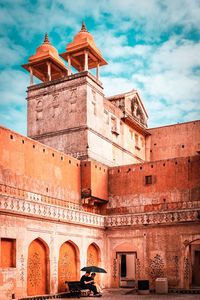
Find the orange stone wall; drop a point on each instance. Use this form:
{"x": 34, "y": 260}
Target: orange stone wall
{"x": 35, "y": 168}
{"x": 161, "y": 251}
{"x": 178, "y": 140}
{"x": 175, "y": 184}
{"x": 47, "y": 254}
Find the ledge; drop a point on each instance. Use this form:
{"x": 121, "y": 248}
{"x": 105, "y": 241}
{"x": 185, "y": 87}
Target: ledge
{"x": 65, "y": 78}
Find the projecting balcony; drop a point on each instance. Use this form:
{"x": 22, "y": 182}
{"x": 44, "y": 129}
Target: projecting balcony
{"x": 89, "y": 200}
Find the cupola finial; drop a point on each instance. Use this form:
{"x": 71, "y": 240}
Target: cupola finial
{"x": 46, "y": 39}
{"x": 83, "y": 28}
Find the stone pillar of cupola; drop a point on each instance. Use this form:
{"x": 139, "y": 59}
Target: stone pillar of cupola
{"x": 69, "y": 65}
{"x": 49, "y": 70}
{"x": 97, "y": 72}
{"x": 86, "y": 60}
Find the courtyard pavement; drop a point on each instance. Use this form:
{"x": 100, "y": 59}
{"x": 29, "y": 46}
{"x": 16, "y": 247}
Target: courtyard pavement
{"x": 118, "y": 294}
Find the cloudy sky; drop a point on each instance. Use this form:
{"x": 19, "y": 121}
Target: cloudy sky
{"x": 150, "y": 45}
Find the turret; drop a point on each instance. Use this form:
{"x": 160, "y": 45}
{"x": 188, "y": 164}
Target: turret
{"x": 82, "y": 53}
{"x": 46, "y": 64}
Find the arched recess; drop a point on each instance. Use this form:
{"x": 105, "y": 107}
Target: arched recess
{"x": 93, "y": 255}
{"x": 68, "y": 264}
{"x": 94, "y": 258}
{"x": 38, "y": 268}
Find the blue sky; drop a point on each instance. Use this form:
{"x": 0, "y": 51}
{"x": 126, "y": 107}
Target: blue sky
{"x": 150, "y": 45}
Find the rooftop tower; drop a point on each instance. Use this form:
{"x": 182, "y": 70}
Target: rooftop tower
{"x": 45, "y": 64}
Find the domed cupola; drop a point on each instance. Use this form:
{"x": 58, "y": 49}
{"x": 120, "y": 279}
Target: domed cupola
{"x": 82, "y": 53}
{"x": 46, "y": 64}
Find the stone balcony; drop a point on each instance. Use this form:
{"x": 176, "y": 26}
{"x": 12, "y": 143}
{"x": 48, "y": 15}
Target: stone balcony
{"x": 15, "y": 201}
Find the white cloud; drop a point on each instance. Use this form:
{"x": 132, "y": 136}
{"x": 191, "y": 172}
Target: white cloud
{"x": 10, "y": 53}
{"x": 13, "y": 84}
{"x": 173, "y": 54}
{"x": 116, "y": 85}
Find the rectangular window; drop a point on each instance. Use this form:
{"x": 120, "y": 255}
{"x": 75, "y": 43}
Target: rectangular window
{"x": 148, "y": 179}
{"x": 8, "y": 253}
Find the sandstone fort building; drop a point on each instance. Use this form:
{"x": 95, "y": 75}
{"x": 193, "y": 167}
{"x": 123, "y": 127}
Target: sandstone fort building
{"x": 93, "y": 185}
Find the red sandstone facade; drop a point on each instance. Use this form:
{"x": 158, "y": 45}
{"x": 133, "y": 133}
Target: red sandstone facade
{"x": 93, "y": 185}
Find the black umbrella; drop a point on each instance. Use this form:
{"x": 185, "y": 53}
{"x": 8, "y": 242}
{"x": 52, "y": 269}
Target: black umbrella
{"x": 93, "y": 269}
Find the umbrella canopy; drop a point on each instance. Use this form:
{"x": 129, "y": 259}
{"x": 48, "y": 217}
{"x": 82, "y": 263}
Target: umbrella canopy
{"x": 93, "y": 269}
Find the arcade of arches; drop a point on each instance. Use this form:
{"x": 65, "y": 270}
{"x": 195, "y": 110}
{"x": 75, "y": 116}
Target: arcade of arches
{"x": 68, "y": 265}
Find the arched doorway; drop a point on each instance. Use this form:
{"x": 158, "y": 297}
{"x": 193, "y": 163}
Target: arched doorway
{"x": 37, "y": 269}
{"x": 124, "y": 258}
{"x": 68, "y": 265}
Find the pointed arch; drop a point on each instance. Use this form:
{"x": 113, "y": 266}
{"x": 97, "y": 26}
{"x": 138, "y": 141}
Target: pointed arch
{"x": 94, "y": 258}
{"x": 93, "y": 255}
{"x": 38, "y": 268}
{"x": 68, "y": 264}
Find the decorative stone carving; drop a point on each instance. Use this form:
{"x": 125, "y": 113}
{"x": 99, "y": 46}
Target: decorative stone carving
{"x": 186, "y": 268}
{"x": 73, "y": 100}
{"x": 114, "y": 268}
{"x": 39, "y": 110}
{"x": 156, "y": 267}
{"x": 35, "y": 270}
{"x": 22, "y": 268}
{"x": 134, "y": 106}
{"x": 176, "y": 266}
{"x": 55, "y": 106}
{"x": 37, "y": 205}
{"x": 138, "y": 267}
{"x": 186, "y": 243}
{"x": 73, "y": 213}
{"x": 136, "y": 111}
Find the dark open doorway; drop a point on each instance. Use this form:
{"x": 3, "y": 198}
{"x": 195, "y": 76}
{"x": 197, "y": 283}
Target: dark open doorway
{"x": 195, "y": 266}
{"x": 127, "y": 269}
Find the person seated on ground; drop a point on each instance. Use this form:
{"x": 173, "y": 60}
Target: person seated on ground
{"x": 99, "y": 289}
{"x": 88, "y": 283}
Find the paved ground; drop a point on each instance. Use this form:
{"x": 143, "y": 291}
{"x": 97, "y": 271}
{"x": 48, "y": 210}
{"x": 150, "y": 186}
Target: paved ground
{"x": 128, "y": 295}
